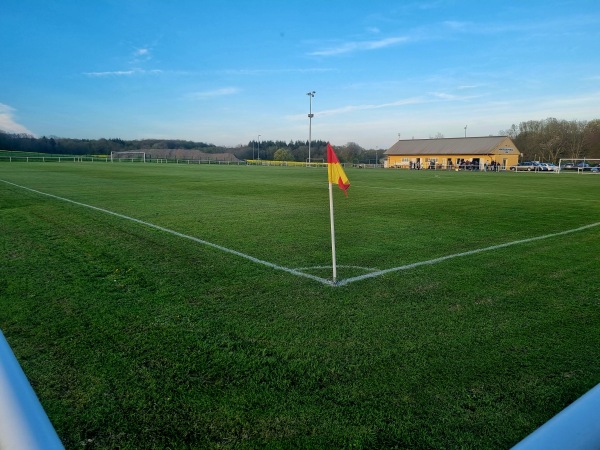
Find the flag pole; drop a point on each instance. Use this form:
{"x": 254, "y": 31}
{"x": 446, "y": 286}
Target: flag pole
{"x": 335, "y": 174}
{"x": 332, "y": 232}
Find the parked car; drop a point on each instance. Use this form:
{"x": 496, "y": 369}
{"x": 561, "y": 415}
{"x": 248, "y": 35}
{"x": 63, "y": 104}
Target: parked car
{"x": 540, "y": 166}
{"x": 527, "y": 165}
{"x": 550, "y": 167}
{"x": 583, "y": 166}
{"x": 568, "y": 166}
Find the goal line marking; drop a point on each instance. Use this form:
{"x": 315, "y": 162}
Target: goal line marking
{"x": 467, "y": 253}
{"x": 176, "y": 233}
{"x": 298, "y": 272}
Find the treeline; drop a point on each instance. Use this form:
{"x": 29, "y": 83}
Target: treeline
{"x": 68, "y": 146}
{"x": 545, "y": 140}
{"x": 299, "y": 151}
{"x": 267, "y": 150}
{"x": 551, "y": 139}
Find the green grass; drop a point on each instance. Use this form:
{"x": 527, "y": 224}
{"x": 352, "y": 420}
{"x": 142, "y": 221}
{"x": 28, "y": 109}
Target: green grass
{"x": 136, "y": 338}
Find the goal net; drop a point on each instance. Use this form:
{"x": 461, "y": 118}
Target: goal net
{"x": 315, "y": 162}
{"x": 581, "y": 165}
{"x": 127, "y": 156}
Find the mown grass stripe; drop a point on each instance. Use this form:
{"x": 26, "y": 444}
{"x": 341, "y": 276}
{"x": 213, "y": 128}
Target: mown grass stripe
{"x": 298, "y": 272}
{"x": 467, "y": 253}
{"x": 176, "y": 233}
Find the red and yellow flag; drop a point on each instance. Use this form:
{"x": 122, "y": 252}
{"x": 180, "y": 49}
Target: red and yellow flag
{"x": 335, "y": 171}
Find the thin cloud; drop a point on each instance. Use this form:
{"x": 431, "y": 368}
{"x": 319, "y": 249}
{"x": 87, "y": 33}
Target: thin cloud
{"x": 214, "y": 93}
{"x": 456, "y": 25}
{"x": 444, "y": 96}
{"x": 123, "y": 73}
{"x": 360, "y": 46}
{"x": 113, "y": 73}
{"x": 590, "y": 100}
{"x": 353, "y": 108}
{"x": 538, "y": 28}
{"x": 274, "y": 71}
{"x": 433, "y": 97}
{"x": 141, "y": 55}
{"x": 8, "y": 123}
{"x": 450, "y": 97}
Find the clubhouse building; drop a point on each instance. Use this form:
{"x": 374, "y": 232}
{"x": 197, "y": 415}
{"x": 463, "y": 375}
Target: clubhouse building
{"x": 475, "y": 153}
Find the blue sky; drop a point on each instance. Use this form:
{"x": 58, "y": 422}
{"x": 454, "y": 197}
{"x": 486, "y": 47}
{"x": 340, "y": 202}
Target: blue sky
{"x": 224, "y": 72}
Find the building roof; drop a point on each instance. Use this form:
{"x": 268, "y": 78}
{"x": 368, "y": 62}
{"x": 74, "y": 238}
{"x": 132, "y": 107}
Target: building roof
{"x": 448, "y": 146}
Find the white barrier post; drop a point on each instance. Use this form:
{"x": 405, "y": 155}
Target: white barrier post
{"x": 24, "y": 424}
{"x": 577, "y": 427}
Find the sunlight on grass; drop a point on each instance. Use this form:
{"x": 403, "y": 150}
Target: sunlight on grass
{"x": 133, "y": 337}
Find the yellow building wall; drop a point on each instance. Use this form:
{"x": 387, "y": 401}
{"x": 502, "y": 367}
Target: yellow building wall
{"x": 505, "y": 154}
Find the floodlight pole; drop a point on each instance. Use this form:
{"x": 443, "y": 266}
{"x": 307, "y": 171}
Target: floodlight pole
{"x": 258, "y": 150}
{"x": 310, "y": 94}
{"x": 465, "y": 131}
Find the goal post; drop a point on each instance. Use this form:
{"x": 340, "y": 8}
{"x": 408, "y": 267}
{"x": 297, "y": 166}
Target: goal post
{"x": 127, "y": 156}
{"x": 315, "y": 162}
{"x": 579, "y": 165}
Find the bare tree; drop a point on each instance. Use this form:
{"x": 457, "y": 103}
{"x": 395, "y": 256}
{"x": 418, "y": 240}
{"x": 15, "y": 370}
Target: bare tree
{"x": 591, "y": 139}
{"x": 574, "y": 138}
{"x": 552, "y": 149}
{"x": 512, "y": 132}
{"x": 350, "y": 152}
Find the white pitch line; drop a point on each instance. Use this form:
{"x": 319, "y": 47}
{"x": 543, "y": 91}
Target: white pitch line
{"x": 176, "y": 233}
{"x": 297, "y": 271}
{"x": 366, "y": 269}
{"x": 467, "y": 253}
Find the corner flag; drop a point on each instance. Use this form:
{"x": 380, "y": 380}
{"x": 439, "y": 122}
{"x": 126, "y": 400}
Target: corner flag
{"x": 336, "y": 175}
{"x": 335, "y": 171}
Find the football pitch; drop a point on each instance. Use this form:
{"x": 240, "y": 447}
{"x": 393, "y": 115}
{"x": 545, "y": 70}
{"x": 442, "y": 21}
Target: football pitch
{"x": 191, "y": 306}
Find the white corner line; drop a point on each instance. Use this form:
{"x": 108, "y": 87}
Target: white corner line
{"x": 467, "y": 253}
{"x": 298, "y": 272}
{"x": 176, "y": 233}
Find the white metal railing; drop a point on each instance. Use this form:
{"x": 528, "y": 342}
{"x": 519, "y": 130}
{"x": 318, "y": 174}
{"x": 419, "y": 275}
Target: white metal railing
{"x": 577, "y": 427}
{"x": 24, "y": 424}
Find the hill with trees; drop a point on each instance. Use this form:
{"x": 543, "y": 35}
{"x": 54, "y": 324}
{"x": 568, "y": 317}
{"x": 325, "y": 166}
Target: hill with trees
{"x": 551, "y": 139}
{"x": 545, "y": 140}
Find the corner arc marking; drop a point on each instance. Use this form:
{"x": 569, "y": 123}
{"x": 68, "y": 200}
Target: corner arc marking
{"x": 176, "y": 233}
{"x": 298, "y": 272}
